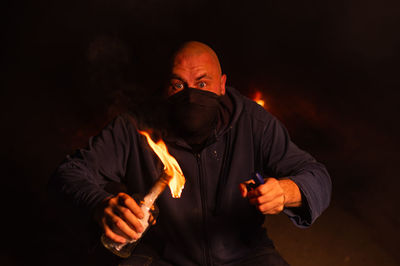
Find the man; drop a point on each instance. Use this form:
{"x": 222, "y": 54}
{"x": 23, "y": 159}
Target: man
{"x": 219, "y": 138}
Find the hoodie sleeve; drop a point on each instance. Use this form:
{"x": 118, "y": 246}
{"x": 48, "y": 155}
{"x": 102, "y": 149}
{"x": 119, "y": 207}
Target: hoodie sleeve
{"x": 284, "y": 159}
{"x": 81, "y": 177}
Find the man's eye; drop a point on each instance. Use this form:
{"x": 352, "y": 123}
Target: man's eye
{"x": 178, "y": 86}
{"x": 202, "y": 84}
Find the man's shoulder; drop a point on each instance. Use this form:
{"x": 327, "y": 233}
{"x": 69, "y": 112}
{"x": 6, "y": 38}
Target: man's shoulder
{"x": 123, "y": 123}
{"x": 249, "y": 108}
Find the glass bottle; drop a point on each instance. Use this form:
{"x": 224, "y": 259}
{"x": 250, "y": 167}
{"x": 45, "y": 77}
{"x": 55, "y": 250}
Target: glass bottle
{"x": 124, "y": 250}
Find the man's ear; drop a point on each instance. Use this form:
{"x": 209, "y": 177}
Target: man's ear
{"x": 223, "y": 82}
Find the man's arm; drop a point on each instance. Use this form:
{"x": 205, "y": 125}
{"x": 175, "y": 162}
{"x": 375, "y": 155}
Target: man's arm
{"x": 299, "y": 186}
{"x": 81, "y": 180}
{"x": 285, "y": 161}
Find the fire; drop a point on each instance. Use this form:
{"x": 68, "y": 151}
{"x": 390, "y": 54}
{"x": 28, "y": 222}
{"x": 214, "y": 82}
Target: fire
{"x": 171, "y": 166}
{"x": 258, "y": 98}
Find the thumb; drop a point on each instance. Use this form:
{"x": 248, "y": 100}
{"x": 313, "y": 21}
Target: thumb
{"x": 243, "y": 189}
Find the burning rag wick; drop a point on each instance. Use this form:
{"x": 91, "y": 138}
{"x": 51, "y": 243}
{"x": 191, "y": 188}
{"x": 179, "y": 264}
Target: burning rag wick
{"x": 172, "y": 176}
{"x": 156, "y": 190}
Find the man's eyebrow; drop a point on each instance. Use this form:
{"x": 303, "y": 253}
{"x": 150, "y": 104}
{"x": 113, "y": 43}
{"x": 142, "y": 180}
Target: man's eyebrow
{"x": 203, "y": 76}
{"x": 174, "y": 76}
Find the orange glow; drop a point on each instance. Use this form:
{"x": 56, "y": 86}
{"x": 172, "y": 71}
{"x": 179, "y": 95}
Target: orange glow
{"x": 171, "y": 166}
{"x": 258, "y": 98}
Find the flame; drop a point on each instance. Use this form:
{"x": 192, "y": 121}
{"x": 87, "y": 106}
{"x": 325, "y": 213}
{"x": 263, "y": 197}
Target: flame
{"x": 258, "y": 98}
{"x": 171, "y": 166}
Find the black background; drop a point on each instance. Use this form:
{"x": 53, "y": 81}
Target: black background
{"x": 327, "y": 69}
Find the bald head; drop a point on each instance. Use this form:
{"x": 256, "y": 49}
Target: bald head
{"x": 196, "y": 65}
{"x": 193, "y": 48}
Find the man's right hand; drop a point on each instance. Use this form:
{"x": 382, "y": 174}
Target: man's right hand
{"x": 119, "y": 217}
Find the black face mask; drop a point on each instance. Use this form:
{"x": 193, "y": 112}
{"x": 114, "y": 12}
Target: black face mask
{"x": 194, "y": 113}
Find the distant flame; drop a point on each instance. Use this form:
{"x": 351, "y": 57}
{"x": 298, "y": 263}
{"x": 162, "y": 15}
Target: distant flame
{"x": 171, "y": 166}
{"x": 258, "y": 98}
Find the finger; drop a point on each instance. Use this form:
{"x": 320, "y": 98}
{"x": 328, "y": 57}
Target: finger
{"x": 130, "y": 203}
{"x": 257, "y": 192}
{"x": 253, "y": 191}
{"x": 265, "y": 188}
{"x": 271, "y": 187}
{"x": 274, "y": 207}
{"x": 274, "y": 195}
{"x": 129, "y": 218}
{"x": 261, "y": 199}
{"x": 152, "y": 220}
{"x": 113, "y": 236}
{"x": 243, "y": 189}
{"x": 120, "y": 227}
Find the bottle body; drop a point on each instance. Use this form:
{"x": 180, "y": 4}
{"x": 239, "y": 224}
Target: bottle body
{"x": 124, "y": 250}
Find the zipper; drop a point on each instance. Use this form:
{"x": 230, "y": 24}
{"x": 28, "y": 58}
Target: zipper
{"x": 224, "y": 174}
{"x": 203, "y": 196}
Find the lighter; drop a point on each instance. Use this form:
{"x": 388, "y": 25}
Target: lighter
{"x": 258, "y": 180}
